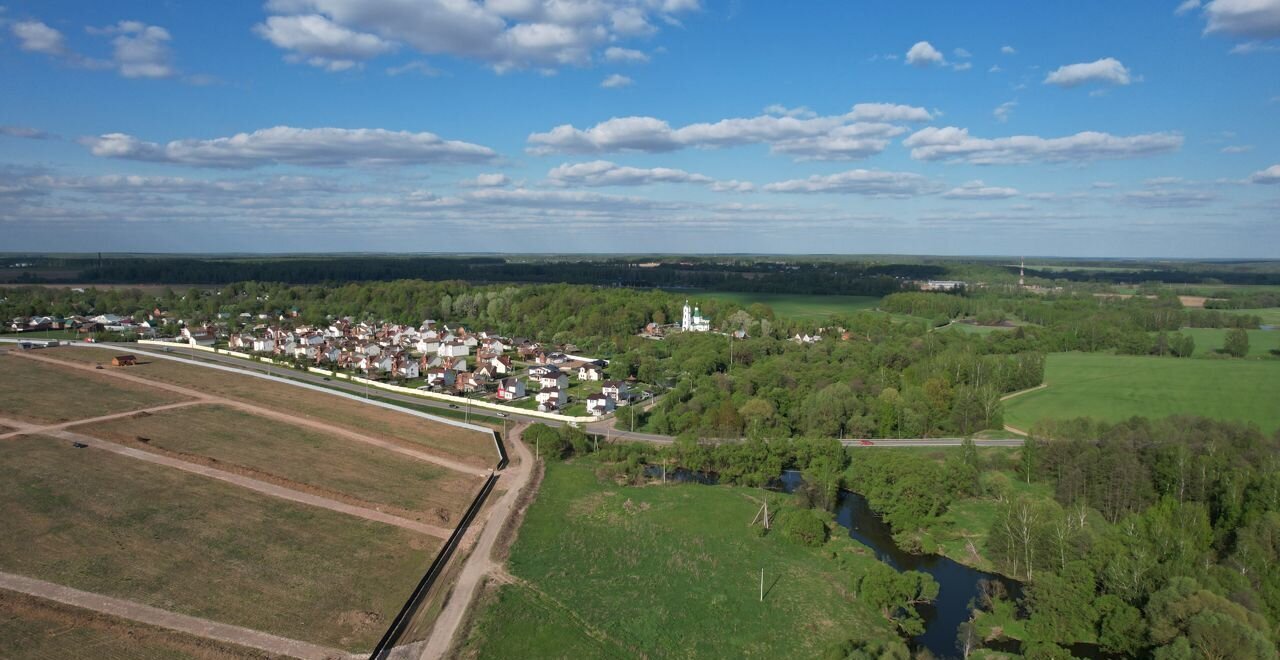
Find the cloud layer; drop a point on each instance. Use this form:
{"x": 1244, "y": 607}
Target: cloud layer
{"x": 506, "y": 34}
{"x": 1108, "y": 70}
{"x": 322, "y": 147}
{"x": 952, "y": 143}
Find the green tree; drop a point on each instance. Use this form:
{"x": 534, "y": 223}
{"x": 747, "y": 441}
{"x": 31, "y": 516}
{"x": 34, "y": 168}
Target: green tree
{"x": 897, "y": 595}
{"x": 804, "y": 527}
{"x": 1237, "y": 343}
{"x": 1121, "y": 628}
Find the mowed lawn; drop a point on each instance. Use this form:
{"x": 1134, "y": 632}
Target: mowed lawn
{"x": 1210, "y": 340}
{"x": 796, "y": 306}
{"x": 324, "y": 462}
{"x": 105, "y": 523}
{"x": 32, "y": 391}
{"x": 665, "y": 572}
{"x": 471, "y": 446}
{"x": 1116, "y": 387}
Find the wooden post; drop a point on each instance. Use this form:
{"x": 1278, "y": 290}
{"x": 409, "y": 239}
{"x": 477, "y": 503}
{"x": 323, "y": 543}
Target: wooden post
{"x": 762, "y": 585}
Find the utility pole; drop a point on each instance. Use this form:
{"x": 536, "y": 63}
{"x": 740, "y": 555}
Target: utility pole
{"x": 762, "y": 584}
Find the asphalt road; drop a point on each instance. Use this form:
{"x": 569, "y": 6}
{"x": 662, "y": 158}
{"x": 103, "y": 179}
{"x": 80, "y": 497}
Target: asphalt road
{"x": 603, "y": 427}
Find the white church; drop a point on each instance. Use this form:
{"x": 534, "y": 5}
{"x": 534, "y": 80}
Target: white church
{"x": 691, "y": 320}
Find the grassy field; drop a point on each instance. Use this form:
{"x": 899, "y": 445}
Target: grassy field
{"x": 321, "y": 461}
{"x": 1210, "y": 340}
{"x": 471, "y": 446}
{"x": 665, "y": 571}
{"x": 1114, "y": 387}
{"x": 109, "y": 524}
{"x": 796, "y": 306}
{"x": 1269, "y": 315}
{"x": 33, "y": 629}
{"x": 33, "y": 391}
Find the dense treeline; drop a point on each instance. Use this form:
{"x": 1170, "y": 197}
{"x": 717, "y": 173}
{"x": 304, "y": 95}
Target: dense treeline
{"x": 1162, "y": 537}
{"x": 1208, "y": 274}
{"x": 749, "y": 275}
{"x": 877, "y": 379}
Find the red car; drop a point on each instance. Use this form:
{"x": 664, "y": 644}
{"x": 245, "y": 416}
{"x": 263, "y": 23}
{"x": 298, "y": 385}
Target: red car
{"x": 865, "y": 443}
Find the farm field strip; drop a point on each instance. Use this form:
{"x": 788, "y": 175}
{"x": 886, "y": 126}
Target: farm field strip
{"x": 40, "y": 428}
{"x": 154, "y": 616}
{"x": 100, "y": 522}
{"x": 303, "y": 459}
{"x": 44, "y": 394}
{"x": 257, "y": 485}
{"x": 327, "y": 408}
{"x": 292, "y": 419}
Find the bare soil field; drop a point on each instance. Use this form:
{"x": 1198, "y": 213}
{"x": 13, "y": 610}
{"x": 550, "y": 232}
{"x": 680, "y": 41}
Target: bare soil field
{"x": 108, "y": 524}
{"x": 471, "y": 447}
{"x": 231, "y": 439}
{"x": 36, "y": 629}
{"x": 36, "y": 392}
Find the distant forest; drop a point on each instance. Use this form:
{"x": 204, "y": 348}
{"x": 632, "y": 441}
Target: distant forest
{"x": 747, "y": 275}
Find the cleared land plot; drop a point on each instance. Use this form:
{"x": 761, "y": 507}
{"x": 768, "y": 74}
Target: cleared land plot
{"x": 104, "y": 523}
{"x": 796, "y": 306}
{"x": 470, "y": 446}
{"x": 32, "y": 391}
{"x": 670, "y": 571}
{"x": 35, "y": 629}
{"x": 1116, "y": 387}
{"x": 321, "y": 462}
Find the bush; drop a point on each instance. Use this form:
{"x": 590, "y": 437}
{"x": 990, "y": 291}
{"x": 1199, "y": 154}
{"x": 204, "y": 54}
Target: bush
{"x": 804, "y": 527}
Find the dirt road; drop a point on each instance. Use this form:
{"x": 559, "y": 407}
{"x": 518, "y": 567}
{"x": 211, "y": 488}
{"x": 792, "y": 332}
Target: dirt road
{"x": 480, "y": 562}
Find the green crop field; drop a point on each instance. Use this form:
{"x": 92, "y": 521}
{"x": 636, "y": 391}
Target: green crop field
{"x": 1115, "y": 387}
{"x": 665, "y": 571}
{"x": 1210, "y": 340}
{"x": 796, "y": 306}
{"x": 1269, "y": 315}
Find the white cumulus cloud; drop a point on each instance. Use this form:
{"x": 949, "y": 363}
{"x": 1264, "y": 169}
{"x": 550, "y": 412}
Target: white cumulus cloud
{"x": 1257, "y": 19}
{"x": 506, "y": 34}
{"x": 922, "y": 53}
{"x": 616, "y": 54}
{"x": 952, "y": 143}
{"x": 834, "y": 137}
{"x": 1269, "y": 175}
{"x": 615, "y": 81}
{"x": 36, "y": 37}
{"x": 1106, "y": 70}
{"x": 874, "y": 183}
{"x": 489, "y": 180}
{"x": 978, "y": 190}
{"x": 321, "y": 147}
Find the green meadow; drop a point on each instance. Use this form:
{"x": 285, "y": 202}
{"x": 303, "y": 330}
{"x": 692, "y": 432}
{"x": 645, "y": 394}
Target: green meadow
{"x": 1116, "y": 387}
{"x": 1210, "y": 340}
{"x": 665, "y": 571}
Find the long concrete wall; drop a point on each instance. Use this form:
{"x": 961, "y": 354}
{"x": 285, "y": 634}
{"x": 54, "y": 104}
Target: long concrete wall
{"x": 449, "y": 398}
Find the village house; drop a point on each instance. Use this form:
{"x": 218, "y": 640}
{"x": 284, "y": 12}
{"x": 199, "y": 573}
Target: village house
{"x": 438, "y": 377}
{"x": 590, "y": 371}
{"x": 616, "y": 390}
{"x": 599, "y": 404}
{"x": 510, "y": 389}
{"x": 547, "y": 376}
{"x": 198, "y": 336}
{"x": 124, "y": 361}
{"x": 549, "y": 399}
{"x": 453, "y": 348}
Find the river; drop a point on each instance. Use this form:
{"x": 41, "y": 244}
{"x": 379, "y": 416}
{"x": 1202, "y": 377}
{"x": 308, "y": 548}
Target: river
{"x": 957, "y": 583}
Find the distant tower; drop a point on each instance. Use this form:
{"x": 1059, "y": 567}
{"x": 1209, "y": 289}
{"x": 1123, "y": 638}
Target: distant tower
{"x": 686, "y": 320}
{"x": 1022, "y": 272}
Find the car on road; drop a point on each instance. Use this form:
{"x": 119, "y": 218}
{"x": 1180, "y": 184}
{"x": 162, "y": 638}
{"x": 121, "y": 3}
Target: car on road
{"x": 501, "y": 414}
{"x": 327, "y": 378}
{"x": 454, "y": 406}
{"x": 865, "y": 443}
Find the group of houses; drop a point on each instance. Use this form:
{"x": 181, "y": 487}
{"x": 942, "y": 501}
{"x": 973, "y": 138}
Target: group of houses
{"x": 83, "y": 324}
{"x": 445, "y": 358}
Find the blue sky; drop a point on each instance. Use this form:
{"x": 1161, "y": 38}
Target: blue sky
{"x": 693, "y": 126}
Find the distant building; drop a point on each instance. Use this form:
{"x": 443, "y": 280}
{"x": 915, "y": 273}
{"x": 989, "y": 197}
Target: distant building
{"x": 124, "y": 361}
{"x": 942, "y": 285}
{"x": 691, "y": 320}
